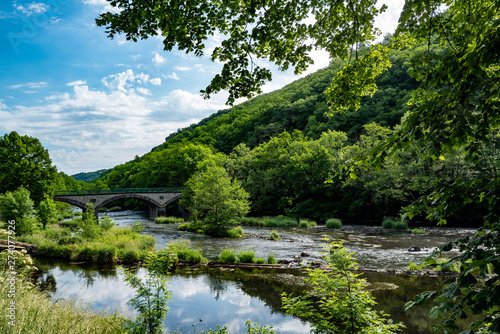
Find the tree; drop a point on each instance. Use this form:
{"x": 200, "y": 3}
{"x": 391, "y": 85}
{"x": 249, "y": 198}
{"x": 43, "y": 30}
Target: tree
{"x": 17, "y": 206}
{"x": 338, "y": 301}
{"x": 455, "y": 108}
{"x": 252, "y": 30}
{"x": 46, "y": 210}
{"x": 214, "y": 198}
{"x": 25, "y": 163}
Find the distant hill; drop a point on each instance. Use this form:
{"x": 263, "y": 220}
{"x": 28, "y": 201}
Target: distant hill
{"x": 91, "y": 176}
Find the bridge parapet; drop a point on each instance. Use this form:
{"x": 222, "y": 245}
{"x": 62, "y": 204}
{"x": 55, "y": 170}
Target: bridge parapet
{"x": 158, "y": 198}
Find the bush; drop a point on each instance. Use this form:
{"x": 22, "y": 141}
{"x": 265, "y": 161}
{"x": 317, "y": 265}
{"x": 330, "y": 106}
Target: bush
{"x": 303, "y": 224}
{"x": 259, "y": 261}
{"x": 333, "y": 223}
{"x": 246, "y": 257}
{"x": 190, "y": 255}
{"x": 227, "y": 256}
{"x": 183, "y": 227}
{"x": 271, "y": 259}
{"x": 130, "y": 256}
{"x": 236, "y": 232}
{"x": 275, "y": 236}
{"x": 106, "y": 254}
{"x": 417, "y": 231}
{"x": 168, "y": 220}
{"x": 400, "y": 225}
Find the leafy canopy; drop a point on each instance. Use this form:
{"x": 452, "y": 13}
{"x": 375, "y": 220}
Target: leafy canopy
{"x": 281, "y": 32}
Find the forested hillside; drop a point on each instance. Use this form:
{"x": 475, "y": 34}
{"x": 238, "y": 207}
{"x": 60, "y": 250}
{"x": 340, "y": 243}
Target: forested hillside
{"x": 284, "y": 148}
{"x": 302, "y": 105}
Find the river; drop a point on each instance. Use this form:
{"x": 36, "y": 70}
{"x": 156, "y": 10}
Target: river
{"x": 205, "y": 298}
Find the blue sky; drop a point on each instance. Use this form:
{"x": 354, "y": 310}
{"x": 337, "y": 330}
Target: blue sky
{"x": 94, "y": 102}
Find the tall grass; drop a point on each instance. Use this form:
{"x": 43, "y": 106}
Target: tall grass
{"x": 36, "y": 313}
{"x": 168, "y": 220}
{"x": 280, "y": 221}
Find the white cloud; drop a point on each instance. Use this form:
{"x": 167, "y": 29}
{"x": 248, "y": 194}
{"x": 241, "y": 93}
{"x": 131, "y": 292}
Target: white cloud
{"x": 31, "y": 85}
{"x": 155, "y": 81}
{"x": 183, "y": 104}
{"x": 125, "y": 81}
{"x": 158, "y": 59}
{"x": 144, "y": 91}
{"x": 182, "y": 68}
{"x": 76, "y": 83}
{"x": 87, "y": 129}
{"x": 32, "y": 8}
{"x": 171, "y": 76}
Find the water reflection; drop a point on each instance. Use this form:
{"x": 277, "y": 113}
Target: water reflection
{"x": 212, "y": 298}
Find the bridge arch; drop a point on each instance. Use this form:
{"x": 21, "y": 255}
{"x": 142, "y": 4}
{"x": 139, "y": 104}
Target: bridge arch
{"x": 157, "y": 198}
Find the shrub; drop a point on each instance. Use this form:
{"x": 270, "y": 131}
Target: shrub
{"x": 338, "y": 294}
{"x": 106, "y": 223}
{"x": 275, "y": 236}
{"x": 303, "y": 224}
{"x": 400, "y": 225}
{"x": 246, "y": 257}
{"x": 130, "y": 256}
{"x": 333, "y": 223}
{"x": 183, "y": 227}
{"x": 190, "y": 255}
{"x": 227, "y": 256}
{"x": 388, "y": 222}
{"x": 417, "y": 231}
{"x": 259, "y": 261}
{"x": 137, "y": 227}
{"x": 271, "y": 259}
{"x": 236, "y": 232}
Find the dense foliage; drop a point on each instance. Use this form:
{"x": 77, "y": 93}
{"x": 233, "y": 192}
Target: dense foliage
{"x": 25, "y": 163}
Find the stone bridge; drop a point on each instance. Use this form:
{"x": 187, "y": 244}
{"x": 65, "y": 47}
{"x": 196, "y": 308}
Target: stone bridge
{"x": 157, "y": 198}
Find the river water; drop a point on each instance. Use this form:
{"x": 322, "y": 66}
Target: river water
{"x": 205, "y": 298}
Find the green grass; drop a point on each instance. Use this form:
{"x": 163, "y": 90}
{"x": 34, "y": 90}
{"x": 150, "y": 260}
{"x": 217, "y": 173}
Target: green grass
{"x": 390, "y": 223}
{"x": 227, "y": 256}
{"x": 190, "y": 255}
{"x": 235, "y": 232}
{"x": 306, "y": 223}
{"x": 36, "y": 313}
{"x": 168, "y": 220}
{"x": 333, "y": 223}
{"x": 275, "y": 236}
{"x": 251, "y": 221}
{"x": 279, "y": 221}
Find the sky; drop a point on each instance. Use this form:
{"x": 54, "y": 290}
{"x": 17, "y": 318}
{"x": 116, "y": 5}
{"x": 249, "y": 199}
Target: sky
{"x": 96, "y": 102}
